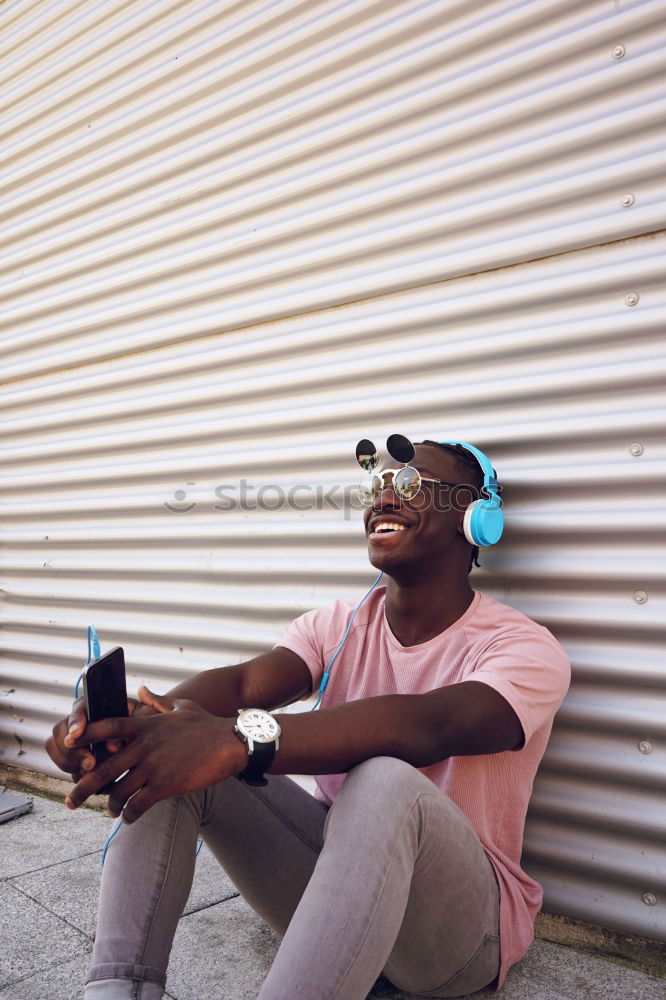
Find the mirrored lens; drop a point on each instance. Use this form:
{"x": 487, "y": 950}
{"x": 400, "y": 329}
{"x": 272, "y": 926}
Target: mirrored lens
{"x": 407, "y": 482}
{"x": 366, "y": 455}
{"x": 400, "y": 448}
{"x": 368, "y": 489}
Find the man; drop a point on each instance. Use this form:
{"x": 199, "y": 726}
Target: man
{"x": 437, "y": 712}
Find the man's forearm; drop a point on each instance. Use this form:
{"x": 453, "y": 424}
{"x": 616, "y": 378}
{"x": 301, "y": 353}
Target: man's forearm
{"x": 219, "y": 691}
{"x": 269, "y": 680}
{"x": 463, "y": 719}
{"x": 333, "y": 741}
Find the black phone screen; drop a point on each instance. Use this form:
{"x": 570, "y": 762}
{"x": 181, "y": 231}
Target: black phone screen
{"x": 105, "y": 692}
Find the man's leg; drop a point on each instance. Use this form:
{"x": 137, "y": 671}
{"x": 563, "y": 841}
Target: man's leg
{"x": 402, "y": 885}
{"x": 267, "y": 839}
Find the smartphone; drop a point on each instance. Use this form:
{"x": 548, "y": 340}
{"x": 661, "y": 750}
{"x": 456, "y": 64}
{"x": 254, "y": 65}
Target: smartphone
{"x": 105, "y": 695}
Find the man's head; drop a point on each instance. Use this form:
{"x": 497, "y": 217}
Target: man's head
{"x": 428, "y": 531}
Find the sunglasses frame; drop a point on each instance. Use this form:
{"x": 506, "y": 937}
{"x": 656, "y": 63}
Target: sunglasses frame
{"x": 383, "y": 486}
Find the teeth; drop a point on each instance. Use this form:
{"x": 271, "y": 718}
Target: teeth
{"x": 389, "y": 526}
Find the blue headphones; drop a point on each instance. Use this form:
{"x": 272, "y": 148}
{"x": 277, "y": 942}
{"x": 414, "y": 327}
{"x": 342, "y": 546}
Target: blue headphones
{"x": 484, "y": 518}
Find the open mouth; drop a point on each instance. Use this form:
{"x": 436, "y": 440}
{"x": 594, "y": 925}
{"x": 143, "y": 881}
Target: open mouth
{"x": 386, "y": 529}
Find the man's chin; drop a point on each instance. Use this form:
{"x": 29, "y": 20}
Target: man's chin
{"x": 387, "y": 558}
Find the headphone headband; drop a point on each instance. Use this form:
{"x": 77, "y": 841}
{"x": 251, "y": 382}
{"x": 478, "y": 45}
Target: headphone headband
{"x": 490, "y": 483}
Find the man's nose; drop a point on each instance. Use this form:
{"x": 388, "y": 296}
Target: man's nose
{"x": 386, "y": 496}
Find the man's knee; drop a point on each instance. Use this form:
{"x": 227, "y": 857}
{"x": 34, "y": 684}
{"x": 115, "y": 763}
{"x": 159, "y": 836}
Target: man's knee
{"x": 387, "y": 774}
{"x": 382, "y": 785}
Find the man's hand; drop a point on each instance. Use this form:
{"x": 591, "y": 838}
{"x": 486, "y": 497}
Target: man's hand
{"x": 63, "y": 745}
{"x": 177, "y": 749}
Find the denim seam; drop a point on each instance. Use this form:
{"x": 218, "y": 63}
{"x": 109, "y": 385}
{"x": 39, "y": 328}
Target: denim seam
{"x": 451, "y": 981}
{"x": 285, "y": 822}
{"x": 164, "y": 881}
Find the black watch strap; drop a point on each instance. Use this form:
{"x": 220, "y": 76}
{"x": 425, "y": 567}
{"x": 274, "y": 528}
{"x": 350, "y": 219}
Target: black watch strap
{"x": 259, "y": 761}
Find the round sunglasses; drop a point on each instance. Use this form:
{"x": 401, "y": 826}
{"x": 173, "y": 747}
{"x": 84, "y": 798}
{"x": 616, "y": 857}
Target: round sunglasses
{"x": 406, "y": 481}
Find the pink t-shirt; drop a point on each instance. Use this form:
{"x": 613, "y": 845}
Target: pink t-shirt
{"x": 491, "y": 643}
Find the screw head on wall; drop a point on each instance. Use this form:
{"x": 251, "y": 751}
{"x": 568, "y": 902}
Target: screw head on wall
{"x": 631, "y": 299}
{"x": 619, "y": 51}
{"x": 628, "y": 199}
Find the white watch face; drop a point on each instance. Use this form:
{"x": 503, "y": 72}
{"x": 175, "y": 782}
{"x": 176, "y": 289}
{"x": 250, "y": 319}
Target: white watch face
{"x": 258, "y": 725}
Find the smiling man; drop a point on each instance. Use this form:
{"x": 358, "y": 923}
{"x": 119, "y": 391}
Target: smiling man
{"x": 436, "y": 709}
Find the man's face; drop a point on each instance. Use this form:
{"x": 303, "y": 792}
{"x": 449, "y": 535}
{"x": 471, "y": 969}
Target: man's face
{"x": 405, "y": 534}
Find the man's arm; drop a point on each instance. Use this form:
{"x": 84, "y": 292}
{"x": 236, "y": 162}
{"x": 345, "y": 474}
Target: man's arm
{"x": 185, "y": 748}
{"x": 462, "y": 719}
{"x": 268, "y": 681}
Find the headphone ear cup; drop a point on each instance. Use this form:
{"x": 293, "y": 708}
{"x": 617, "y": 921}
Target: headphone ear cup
{"x": 484, "y": 521}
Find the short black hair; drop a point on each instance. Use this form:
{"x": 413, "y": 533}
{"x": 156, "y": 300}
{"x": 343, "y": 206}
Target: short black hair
{"x": 469, "y": 467}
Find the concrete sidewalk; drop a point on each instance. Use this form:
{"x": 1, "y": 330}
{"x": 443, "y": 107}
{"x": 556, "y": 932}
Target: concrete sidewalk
{"x": 50, "y": 867}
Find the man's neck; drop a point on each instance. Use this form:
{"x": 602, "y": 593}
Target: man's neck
{"x": 419, "y": 611}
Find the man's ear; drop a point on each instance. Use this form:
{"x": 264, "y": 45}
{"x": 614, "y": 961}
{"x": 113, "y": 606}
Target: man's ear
{"x": 460, "y": 525}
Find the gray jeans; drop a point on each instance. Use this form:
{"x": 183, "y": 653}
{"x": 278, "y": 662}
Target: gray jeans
{"x": 392, "y": 878}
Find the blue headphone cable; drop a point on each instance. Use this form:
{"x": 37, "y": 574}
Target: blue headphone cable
{"x": 338, "y": 649}
{"x": 93, "y": 654}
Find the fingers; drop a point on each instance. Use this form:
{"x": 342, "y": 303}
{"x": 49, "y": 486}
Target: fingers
{"x": 162, "y": 702}
{"x": 139, "y": 804}
{"x": 113, "y": 746}
{"x": 125, "y": 788}
{"x": 78, "y": 719}
{"x": 114, "y": 729}
{"x": 106, "y": 772}
{"x": 70, "y": 760}
{"x": 141, "y": 711}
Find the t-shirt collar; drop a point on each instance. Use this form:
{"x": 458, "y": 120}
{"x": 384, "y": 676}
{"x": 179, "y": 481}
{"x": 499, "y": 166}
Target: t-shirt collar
{"x": 419, "y": 647}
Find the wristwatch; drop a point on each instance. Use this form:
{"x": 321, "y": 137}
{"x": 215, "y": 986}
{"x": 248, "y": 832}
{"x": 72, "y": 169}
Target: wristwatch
{"x": 261, "y": 732}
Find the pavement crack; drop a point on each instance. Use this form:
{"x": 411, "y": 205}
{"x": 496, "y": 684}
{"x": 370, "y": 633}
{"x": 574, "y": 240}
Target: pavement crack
{"x": 37, "y": 972}
{"x": 53, "y": 913}
{"x": 234, "y": 895}
{"x": 53, "y": 864}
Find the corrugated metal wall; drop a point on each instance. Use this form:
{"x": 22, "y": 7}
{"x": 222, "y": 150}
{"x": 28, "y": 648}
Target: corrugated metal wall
{"x": 236, "y": 238}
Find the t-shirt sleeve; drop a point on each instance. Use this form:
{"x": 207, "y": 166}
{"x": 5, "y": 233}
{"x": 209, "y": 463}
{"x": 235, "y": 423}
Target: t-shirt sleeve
{"x": 306, "y": 637}
{"x": 531, "y": 671}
